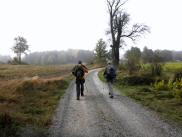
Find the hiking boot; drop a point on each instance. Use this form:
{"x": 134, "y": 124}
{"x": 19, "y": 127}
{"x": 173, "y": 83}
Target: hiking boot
{"x": 111, "y": 96}
{"x": 78, "y": 98}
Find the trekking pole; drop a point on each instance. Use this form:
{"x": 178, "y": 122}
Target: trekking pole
{"x": 86, "y": 87}
{"x": 103, "y": 86}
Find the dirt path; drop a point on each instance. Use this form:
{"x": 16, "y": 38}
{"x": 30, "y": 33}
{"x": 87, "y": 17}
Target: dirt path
{"x": 96, "y": 115}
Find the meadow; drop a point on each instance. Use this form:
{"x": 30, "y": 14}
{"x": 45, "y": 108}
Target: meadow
{"x": 29, "y": 95}
{"x": 22, "y": 71}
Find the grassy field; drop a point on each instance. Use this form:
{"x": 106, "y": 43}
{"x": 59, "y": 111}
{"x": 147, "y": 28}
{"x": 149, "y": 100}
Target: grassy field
{"x": 173, "y": 67}
{"x": 22, "y": 71}
{"x": 164, "y": 102}
{"x": 29, "y": 95}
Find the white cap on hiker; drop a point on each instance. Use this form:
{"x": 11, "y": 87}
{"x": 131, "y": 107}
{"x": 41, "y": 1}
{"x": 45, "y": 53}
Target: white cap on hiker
{"x": 109, "y": 62}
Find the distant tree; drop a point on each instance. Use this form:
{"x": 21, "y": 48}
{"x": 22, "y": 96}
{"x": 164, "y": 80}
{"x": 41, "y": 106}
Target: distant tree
{"x": 177, "y": 55}
{"x": 119, "y": 27}
{"x": 147, "y": 55}
{"x": 20, "y": 47}
{"x": 101, "y": 52}
{"x": 157, "y": 57}
{"x": 133, "y": 57}
{"x": 109, "y": 54}
{"x": 166, "y": 55}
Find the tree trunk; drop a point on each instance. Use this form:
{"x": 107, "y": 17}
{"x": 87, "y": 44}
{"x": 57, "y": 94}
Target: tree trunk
{"x": 19, "y": 57}
{"x": 116, "y": 55}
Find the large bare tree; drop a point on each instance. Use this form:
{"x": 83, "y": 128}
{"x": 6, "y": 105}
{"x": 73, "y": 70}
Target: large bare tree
{"x": 119, "y": 27}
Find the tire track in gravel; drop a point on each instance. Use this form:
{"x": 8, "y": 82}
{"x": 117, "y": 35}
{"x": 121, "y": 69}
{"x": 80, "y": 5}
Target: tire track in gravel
{"x": 96, "y": 115}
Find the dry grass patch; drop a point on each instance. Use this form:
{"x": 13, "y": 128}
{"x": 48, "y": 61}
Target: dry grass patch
{"x": 30, "y": 100}
{"x": 22, "y": 71}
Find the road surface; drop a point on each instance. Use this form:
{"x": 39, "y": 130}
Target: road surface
{"x": 97, "y": 115}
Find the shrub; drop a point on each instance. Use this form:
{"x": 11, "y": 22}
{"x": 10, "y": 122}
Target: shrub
{"x": 122, "y": 66}
{"x": 136, "y": 80}
{"x": 131, "y": 67}
{"x": 8, "y": 126}
{"x": 178, "y": 94}
{"x": 160, "y": 85}
{"x": 170, "y": 85}
{"x": 177, "y": 76}
{"x": 156, "y": 69}
{"x": 177, "y": 85}
{"x": 145, "y": 90}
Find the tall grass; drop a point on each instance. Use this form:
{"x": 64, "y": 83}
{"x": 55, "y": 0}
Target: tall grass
{"x": 30, "y": 101}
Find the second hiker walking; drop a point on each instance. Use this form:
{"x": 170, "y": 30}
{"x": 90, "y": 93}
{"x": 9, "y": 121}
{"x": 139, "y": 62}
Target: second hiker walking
{"x": 79, "y": 72}
{"x": 110, "y": 75}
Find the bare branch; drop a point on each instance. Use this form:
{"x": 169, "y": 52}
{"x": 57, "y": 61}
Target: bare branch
{"x": 137, "y": 31}
{"x": 113, "y": 2}
{"x": 114, "y": 6}
{"x": 117, "y": 6}
{"x": 109, "y": 6}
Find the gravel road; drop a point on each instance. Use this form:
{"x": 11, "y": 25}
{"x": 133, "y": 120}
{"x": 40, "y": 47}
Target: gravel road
{"x": 96, "y": 115}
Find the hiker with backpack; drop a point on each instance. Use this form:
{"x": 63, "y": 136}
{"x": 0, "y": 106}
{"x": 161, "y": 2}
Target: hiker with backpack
{"x": 79, "y": 72}
{"x": 110, "y": 75}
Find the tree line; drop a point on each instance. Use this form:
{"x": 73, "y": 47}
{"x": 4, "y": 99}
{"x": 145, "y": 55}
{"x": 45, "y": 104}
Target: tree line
{"x": 134, "y": 58}
{"x": 100, "y": 55}
{"x": 70, "y": 56}
{"x": 135, "y": 55}
{"x": 51, "y": 57}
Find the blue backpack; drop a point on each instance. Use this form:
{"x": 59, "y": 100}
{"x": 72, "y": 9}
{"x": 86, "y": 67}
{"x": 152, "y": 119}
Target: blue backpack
{"x": 111, "y": 73}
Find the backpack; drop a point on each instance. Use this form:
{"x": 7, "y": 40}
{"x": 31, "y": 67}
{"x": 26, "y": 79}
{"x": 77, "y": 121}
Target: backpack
{"x": 111, "y": 74}
{"x": 79, "y": 73}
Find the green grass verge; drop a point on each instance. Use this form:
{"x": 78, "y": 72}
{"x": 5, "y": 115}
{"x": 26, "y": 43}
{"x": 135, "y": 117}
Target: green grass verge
{"x": 162, "y": 102}
{"x": 173, "y": 66}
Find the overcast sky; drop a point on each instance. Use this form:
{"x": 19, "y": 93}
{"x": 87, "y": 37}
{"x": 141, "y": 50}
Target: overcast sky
{"x": 78, "y": 24}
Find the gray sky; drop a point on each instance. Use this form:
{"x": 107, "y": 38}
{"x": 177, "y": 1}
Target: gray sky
{"x": 78, "y": 24}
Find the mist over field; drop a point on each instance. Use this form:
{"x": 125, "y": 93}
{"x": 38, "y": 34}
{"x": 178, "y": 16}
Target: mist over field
{"x": 4, "y": 59}
{"x": 70, "y": 56}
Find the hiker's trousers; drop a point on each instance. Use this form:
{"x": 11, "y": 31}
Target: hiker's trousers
{"x": 79, "y": 87}
{"x": 110, "y": 86}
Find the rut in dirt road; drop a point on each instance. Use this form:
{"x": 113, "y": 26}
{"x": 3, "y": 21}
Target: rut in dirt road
{"x": 96, "y": 115}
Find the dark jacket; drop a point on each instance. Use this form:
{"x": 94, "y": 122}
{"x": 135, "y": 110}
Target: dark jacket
{"x": 82, "y": 68}
{"x": 109, "y": 77}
